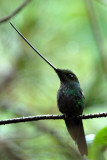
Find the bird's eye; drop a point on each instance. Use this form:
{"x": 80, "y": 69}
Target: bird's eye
{"x": 70, "y": 76}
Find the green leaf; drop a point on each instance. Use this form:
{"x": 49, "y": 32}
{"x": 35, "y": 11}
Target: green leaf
{"x": 99, "y": 147}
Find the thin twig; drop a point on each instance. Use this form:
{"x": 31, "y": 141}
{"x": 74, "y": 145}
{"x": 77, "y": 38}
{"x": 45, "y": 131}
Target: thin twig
{"x": 96, "y": 115}
{"x": 15, "y": 11}
{"x": 46, "y": 117}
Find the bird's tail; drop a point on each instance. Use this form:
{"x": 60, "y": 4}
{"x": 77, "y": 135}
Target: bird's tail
{"x": 75, "y": 129}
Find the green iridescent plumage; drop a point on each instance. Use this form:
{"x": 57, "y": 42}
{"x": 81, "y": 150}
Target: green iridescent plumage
{"x": 70, "y": 100}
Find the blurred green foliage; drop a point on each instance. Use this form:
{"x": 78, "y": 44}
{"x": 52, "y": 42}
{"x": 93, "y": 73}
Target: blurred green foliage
{"x": 99, "y": 152}
{"x": 62, "y": 32}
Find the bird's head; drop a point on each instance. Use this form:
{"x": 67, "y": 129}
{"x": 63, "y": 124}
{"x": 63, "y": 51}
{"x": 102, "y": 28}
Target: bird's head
{"x": 66, "y": 75}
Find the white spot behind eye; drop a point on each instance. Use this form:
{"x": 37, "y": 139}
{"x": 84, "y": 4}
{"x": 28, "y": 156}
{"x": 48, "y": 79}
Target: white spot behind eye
{"x": 70, "y": 75}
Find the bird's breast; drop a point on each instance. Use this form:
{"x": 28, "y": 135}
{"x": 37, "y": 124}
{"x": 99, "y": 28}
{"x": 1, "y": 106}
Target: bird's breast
{"x": 70, "y": 100}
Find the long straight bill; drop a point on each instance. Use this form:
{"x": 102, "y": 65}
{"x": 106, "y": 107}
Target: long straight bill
{"x": 33, "y": 47}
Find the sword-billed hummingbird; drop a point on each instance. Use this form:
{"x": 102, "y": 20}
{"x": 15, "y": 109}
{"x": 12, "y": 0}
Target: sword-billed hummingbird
{"x": 70, "y": 100}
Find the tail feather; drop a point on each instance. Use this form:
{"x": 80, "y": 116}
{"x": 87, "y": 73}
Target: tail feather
{"x": 75, "y": 129}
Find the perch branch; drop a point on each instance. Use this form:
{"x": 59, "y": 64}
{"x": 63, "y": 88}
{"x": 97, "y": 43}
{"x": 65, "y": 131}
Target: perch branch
{"x": 15, "y": 11}
{"x": 46, "y": 117}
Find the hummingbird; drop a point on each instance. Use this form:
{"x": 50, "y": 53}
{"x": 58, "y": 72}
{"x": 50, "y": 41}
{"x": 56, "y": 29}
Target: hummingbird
{"x": 70, "y": 101}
